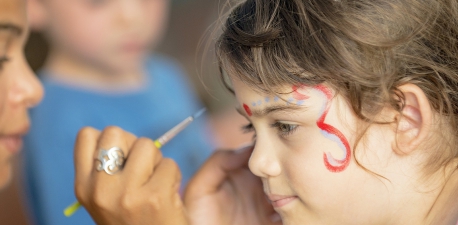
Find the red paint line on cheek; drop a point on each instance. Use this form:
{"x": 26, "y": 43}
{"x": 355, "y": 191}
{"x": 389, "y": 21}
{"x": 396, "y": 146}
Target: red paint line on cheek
{"x": 247, "y": 109}
{"x": 342, "y": 163}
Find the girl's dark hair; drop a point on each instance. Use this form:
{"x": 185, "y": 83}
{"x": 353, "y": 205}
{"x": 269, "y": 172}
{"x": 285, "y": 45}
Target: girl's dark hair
{"x": 363, "y": 49}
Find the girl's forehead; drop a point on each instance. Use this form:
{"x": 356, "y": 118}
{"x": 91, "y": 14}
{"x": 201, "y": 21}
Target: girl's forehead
{"x": 284, "y": 91}
{"x": 244, "y": 92}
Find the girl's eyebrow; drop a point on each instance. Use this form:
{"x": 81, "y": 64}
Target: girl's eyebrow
{"x": 15, "y": 29}
{"x": 269, "y": 109}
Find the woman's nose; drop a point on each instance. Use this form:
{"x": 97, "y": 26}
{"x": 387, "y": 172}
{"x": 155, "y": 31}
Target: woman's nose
{"x": 264, "y": 161}
{"x": 27, "y": 88}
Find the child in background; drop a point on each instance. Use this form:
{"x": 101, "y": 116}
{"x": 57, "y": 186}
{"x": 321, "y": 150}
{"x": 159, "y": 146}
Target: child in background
{"x": 99, "y": 73}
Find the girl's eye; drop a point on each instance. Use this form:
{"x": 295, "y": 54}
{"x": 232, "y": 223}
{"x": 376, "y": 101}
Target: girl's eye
{"x": 96, "y": 3}
{"x": 248, "y": 129}
{"x": 3, "y": 60}
{"x": 284, "y": 129}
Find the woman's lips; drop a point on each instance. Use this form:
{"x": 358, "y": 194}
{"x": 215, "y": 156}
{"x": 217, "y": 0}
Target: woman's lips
{"x": 12, "y": 143}
{"x": 278, "y": 201}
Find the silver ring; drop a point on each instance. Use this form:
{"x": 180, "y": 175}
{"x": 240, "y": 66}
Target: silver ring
{"x": 111, "y": 160}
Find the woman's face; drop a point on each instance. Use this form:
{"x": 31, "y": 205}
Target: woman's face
{"x": 19, "y": 88}
{"x": 304, "y": 155}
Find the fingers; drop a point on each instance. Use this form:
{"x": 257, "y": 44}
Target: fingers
{"x": 143, "y": 157}
{"x": 161, "y": 192}
{"x": 88, "y": 142}
{"x": 238, "y": 158}
{"x": 111, "y": 137}
{"x": 145, "y": 190}
{"x": 216, "y": 169}
{"x": 166, "y": 177}
{"x": 115, "y": 137}
{"x": 84, "y": 154}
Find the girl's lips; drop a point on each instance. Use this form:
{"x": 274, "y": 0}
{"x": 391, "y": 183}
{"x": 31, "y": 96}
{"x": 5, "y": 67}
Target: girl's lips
{"x": 12, "y": 143}
{"x": 279, "y": 201}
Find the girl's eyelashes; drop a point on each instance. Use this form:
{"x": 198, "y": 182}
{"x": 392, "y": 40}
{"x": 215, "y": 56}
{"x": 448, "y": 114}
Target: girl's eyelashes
{"x": 248, "y": 129}
{"x": 97, "y": 3}
{"x": 284, "y": 129}
{"x": 3, "y": 60}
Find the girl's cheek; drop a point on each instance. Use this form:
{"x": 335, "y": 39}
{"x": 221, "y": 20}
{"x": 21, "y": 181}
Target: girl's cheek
{"x": 298, "y": 141}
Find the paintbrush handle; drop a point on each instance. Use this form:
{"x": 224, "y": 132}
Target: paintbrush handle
{"x": 70, "y": 210}
{"x": 172, "y": 132}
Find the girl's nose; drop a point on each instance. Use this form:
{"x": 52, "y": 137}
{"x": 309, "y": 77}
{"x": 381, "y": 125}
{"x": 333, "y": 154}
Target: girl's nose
{"x": 264, "y": 161}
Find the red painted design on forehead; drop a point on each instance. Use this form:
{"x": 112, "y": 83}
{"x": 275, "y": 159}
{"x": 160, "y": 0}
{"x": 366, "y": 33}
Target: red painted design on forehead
{"x": 247, "y": 110}
{"x": 297, "y": 95}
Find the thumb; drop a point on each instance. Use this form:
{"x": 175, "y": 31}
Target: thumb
{"x": 216, "y": 170}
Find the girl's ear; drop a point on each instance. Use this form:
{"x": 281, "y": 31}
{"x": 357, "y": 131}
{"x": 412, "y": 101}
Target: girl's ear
{"x": 37, "y": 14}
{"x": 414, "y": 124}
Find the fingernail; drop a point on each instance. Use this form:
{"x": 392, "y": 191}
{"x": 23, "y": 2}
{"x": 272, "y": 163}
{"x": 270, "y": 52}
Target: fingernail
{"x": 275, "y": 218}
{"x": 243, "y": 148}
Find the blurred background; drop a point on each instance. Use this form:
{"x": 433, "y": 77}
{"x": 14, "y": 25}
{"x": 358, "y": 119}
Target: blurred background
{"x": 189, "y": 39}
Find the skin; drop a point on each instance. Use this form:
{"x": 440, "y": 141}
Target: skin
{"x": 19, "y": 88}
{"x": 222, "y": 192}
{"x": 289, "y": 165}
{"x": 289, "y": 160}
{"x": 225, "y": 192}
{"x": 131, "y": 199}
{"x": 147, "y": 189}
{"x": 100, "y": 44}
{"x": 291, "y": 168}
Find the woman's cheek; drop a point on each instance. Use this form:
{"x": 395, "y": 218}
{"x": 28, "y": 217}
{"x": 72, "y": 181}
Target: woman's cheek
{"x": 3, "y": 102}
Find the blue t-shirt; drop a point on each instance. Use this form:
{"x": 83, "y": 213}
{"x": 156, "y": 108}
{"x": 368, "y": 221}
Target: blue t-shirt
{"x": 163, "y": 101}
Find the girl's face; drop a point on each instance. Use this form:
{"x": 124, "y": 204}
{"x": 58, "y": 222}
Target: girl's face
{"x": 19, "y": 88}
{"x": 304, "y": 155}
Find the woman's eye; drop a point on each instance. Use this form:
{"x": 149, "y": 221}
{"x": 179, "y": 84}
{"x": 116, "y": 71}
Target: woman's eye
{"x": 285, "y": 129}
{"x": 3, "y": 60}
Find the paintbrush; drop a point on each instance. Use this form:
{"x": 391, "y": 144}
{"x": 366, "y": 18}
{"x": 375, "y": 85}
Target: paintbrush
{"x": 161, "y": 141}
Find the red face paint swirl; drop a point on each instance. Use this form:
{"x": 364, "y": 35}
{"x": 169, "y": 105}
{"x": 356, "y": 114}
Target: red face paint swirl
{"x": 297, "y": 95}
{"x": 247, "y": 109}
{"x": 332, "y": 164}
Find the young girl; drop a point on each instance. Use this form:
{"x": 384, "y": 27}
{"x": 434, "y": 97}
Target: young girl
{"x": 354, "y": 104}
{"x": 355, "y": 109}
